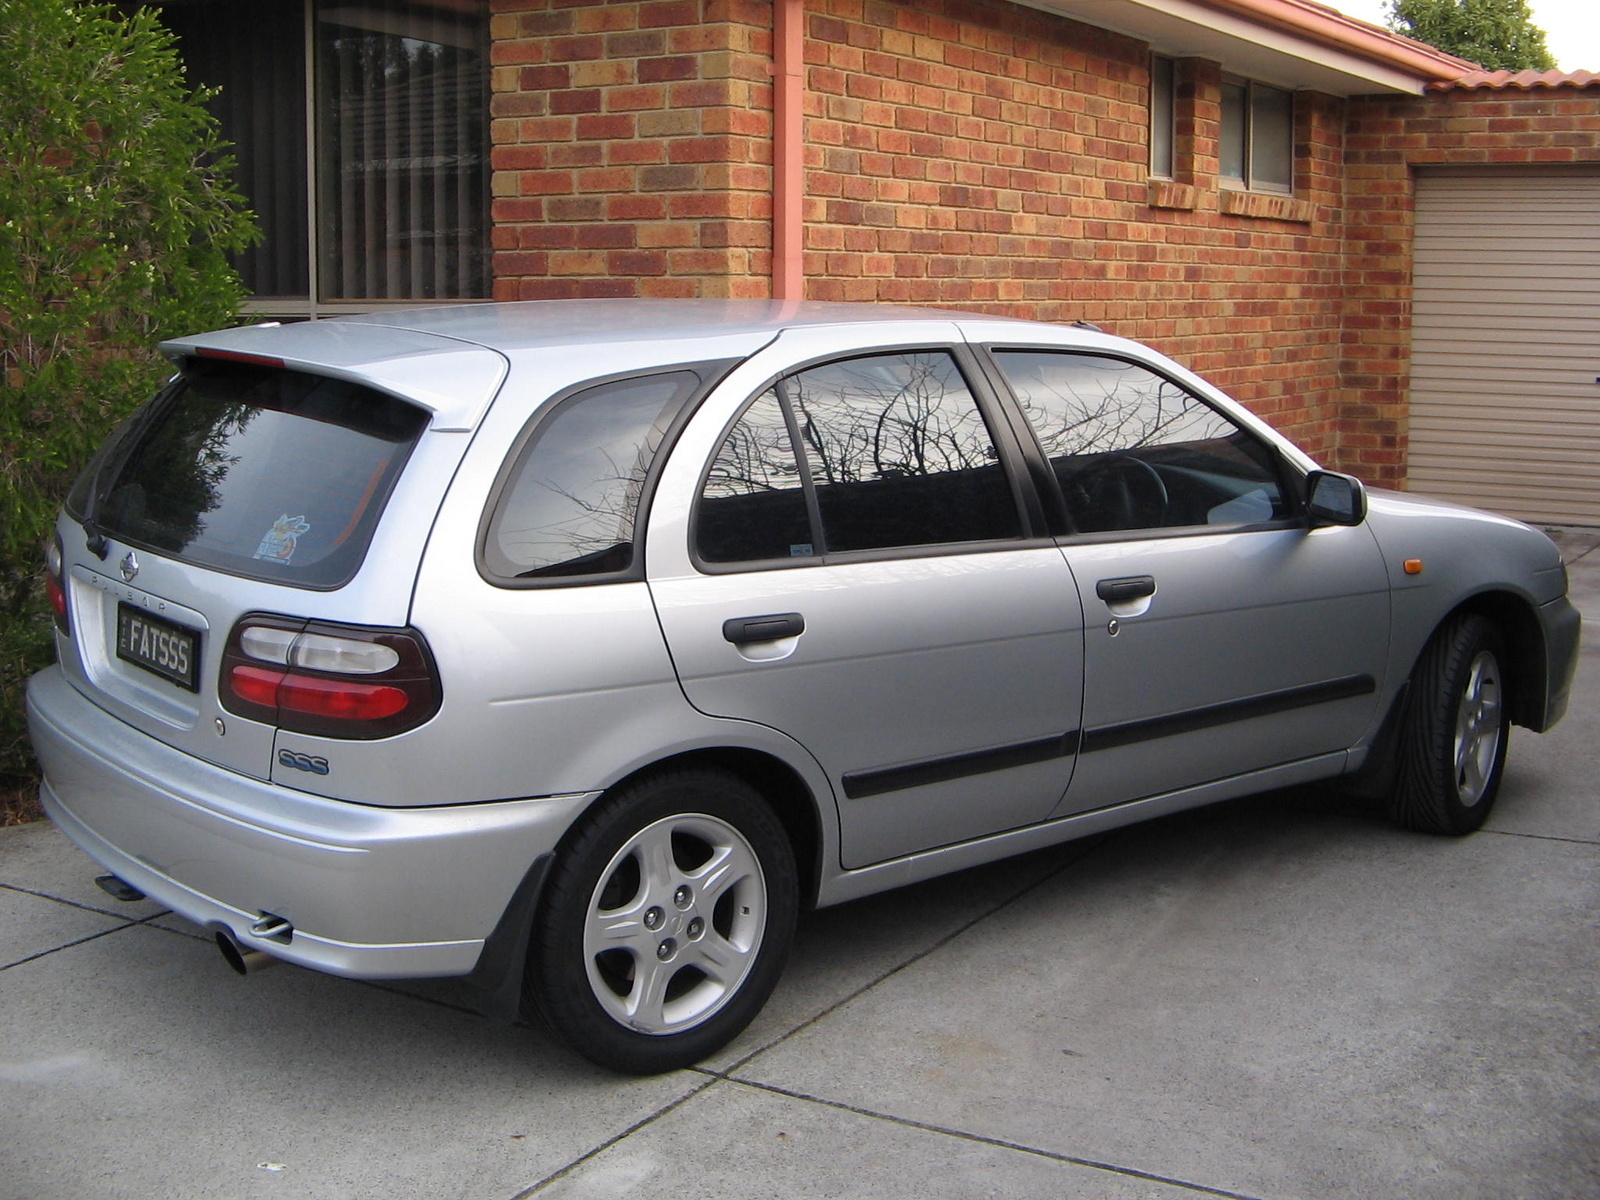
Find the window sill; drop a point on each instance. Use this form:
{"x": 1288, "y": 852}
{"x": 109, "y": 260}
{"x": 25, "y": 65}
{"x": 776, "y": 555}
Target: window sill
{"x": 1164, "y": 193}
{"x": 1267, "y": 206}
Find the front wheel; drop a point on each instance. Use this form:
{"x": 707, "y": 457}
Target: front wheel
{"x": 1454, "y": 732}
{"x": 665, "y": 922}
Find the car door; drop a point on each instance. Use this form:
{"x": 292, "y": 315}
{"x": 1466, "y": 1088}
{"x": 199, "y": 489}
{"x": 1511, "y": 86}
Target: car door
{"x": 838, "y": 551}
{"x": 1223, "y": 634}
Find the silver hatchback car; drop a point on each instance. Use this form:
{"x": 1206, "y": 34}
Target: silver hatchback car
{"x": 573, "y": 647}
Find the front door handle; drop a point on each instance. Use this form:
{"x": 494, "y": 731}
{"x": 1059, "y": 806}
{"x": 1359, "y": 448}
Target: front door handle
{"x": 743, "y": 630}
{"x": 1129, "y": 587}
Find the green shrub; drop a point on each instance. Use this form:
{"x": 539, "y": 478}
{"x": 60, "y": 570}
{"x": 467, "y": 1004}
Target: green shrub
{"x": 1498, "y": 35}
{"x": 116, "y": 221}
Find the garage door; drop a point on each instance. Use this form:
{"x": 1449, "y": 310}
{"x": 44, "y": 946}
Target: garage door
{"x": 1505, "y": 407}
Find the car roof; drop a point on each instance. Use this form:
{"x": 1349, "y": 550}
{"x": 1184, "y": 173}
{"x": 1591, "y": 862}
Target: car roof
{"x": 452, "y": 359}
{"x": 532, "y": 324}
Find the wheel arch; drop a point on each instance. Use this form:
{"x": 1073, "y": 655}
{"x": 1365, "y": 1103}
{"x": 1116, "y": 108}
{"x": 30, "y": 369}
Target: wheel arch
{"x": 1527, "y": 669}
{"x": 1528, "y": 663}
{"x": 780, "y": 786}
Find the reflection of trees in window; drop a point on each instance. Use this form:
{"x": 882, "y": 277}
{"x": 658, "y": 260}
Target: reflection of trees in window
{"x": 1133, "y": 450}
{"x": 888, "y": 417}
{"x": 756, "y": 456}
{"x": 178, "y": 474}
{"x": 572, "y": 503}
{"x": 753, "y": 504}
{"x": 588, "y": 530}
{"x": 1079, "y": 405}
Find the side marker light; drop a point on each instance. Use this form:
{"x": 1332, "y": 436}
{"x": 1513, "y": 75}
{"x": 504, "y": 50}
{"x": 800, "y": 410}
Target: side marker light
{"x": 1413, "y": 566}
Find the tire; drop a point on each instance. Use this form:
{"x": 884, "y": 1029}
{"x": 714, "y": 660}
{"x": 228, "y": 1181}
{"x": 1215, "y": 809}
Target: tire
{"x": 665, "y": 922}
{"x": 1454, "y": 732}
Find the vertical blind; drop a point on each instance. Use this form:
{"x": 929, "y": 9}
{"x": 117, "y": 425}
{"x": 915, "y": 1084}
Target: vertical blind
{"x": 399, "y": 140}
{"x": 402, "y": 111}
{"x": 258, "y": 66}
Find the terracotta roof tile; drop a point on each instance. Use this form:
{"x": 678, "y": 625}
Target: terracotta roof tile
{"x": 1524, "y": 80}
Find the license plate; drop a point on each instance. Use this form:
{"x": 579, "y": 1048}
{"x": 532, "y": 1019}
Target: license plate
{"x": 160, "y": 646}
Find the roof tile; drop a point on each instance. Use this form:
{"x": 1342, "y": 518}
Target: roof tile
{"x": 1523, "y": 80}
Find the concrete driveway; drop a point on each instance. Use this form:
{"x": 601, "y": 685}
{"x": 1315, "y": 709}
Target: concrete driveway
{"x": 1277, "y": 997}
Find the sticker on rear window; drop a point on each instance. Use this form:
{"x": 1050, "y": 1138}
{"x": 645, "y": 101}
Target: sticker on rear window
{"x": 280, "y": 541}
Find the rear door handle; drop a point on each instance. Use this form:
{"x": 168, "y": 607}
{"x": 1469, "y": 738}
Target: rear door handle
{"x": 1129, "y": 587}
{"x": 742, "y": 630}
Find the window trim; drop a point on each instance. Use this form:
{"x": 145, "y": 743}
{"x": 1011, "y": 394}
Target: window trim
{"x": 992, "y": 407}
{"x": 710, "y": 371}
{"x": 1248, "y": 181}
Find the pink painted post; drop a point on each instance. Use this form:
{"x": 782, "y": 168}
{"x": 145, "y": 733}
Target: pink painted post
{"x": 788, "y": 167}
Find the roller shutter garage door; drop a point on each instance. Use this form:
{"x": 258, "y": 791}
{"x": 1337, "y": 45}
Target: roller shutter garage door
{"x": 1505, "y": 408}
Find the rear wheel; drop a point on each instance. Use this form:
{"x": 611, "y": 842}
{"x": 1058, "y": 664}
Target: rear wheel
{"x": 665, "y": 922}
{"x": 1455, "y": 730}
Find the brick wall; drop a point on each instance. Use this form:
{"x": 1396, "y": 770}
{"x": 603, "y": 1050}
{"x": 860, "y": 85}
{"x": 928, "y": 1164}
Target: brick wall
{"x": 631, "y": 148}
{"x": 992, "y": 157}
{"x": 982, "y": 155}
{"x": 958, "y": 152}
{"x": 1388, "y": 139}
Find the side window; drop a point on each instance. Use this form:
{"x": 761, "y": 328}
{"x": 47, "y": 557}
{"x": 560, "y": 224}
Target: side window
{"x": 1133, "y": 450}
{"x": 570, "y": 503}
{"x": 753, "y": 504}
{"x": 894, "y": 452}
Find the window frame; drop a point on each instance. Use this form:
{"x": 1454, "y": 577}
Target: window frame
{"x": 1045, "y": 481}
{"x": 316, "y": 160}
{"x": 1248, "y": 181}
{"x": 993, "y": 408}
{"x": 710, "y": 371}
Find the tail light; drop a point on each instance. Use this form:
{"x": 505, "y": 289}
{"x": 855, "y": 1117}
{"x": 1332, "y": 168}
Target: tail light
{"x": 55, "y": 583}
{"x": 344, "y": 681}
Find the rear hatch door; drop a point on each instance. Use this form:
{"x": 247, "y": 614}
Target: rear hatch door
{"x": 283, "y": 471}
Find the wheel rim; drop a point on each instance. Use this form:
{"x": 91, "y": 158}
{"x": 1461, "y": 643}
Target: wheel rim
{"x": 675, "y": 923}
{"x": 1478, "y": 729}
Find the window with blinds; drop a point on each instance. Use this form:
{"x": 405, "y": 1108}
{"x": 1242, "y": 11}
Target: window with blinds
{"x": 362, "y": 137}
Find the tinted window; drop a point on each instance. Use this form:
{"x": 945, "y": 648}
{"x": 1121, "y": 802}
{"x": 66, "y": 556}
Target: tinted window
{"x": 570, "y": 504}
{"x": 893, "y": 448}
{"x": 899, "y": 454}
{"x": 257, "y": 471}
{"x": 753, "y": 504}
{"x": 1133, "y": 450}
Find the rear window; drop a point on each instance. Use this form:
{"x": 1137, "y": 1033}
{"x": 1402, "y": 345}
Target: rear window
{"x": 255, "y": 471}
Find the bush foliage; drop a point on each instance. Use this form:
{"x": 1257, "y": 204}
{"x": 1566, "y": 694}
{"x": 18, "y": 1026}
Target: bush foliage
{"x": 117, "y": 217}
{"x": 1498, "y": 35}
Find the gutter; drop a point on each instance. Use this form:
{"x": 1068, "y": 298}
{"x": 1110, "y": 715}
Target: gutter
{"x": 1327, "y": 27}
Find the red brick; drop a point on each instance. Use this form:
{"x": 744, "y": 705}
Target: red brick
{"x": 665, "y": 70}
{"x": 585, "y": 100}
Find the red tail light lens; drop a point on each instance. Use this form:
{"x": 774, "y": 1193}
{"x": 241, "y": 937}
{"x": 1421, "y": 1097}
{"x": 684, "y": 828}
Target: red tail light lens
{"x": 329, "y": 680}
{"x": 55, "y": 584}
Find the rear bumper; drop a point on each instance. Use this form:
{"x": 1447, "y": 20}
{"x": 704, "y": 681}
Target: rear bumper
{"x": 372, "y": 893}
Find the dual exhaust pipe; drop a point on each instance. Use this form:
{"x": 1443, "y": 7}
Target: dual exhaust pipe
{"x": 244, "y": 960}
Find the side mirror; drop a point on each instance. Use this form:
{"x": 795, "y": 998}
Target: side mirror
{"x": 1334, "y": 499}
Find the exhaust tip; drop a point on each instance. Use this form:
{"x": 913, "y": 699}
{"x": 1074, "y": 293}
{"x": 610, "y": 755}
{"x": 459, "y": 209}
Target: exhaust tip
{"x": 240, "y": 960}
